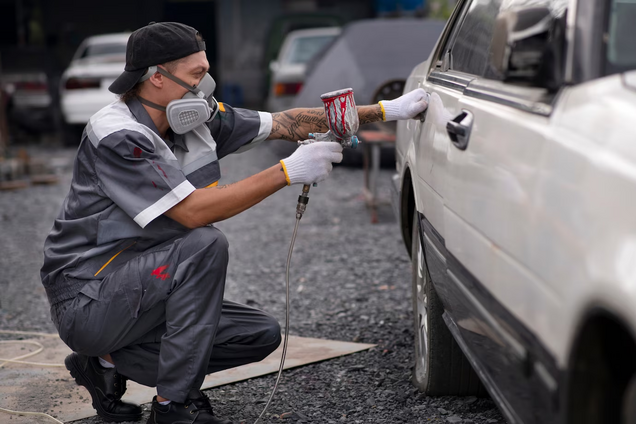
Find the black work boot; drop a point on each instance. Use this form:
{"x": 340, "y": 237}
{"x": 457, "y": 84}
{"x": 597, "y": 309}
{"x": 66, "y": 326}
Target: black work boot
{"x": 195, "y": 410}
{"x": 106, "y": 387}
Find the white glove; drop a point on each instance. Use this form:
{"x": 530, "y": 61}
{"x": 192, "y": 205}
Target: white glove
{"x": 311, "y": 163}
{"x": 407, "y": 106}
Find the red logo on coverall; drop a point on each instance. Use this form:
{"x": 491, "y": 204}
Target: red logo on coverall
{"x": 159, "y": 272}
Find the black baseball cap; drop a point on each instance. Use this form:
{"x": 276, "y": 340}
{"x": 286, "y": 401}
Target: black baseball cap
{"x": 154, "y": 44}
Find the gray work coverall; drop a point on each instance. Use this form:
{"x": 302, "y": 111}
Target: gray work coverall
{"x": 123, "y": 279}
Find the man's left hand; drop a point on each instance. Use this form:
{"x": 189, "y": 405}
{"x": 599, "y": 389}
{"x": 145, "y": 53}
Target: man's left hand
{"x": 407, "y": 106}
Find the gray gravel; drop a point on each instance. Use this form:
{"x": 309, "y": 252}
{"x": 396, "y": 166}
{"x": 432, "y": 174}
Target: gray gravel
{"x": 350, "y": 281}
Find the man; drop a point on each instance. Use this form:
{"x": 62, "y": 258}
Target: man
{"x": 134, "y": 270}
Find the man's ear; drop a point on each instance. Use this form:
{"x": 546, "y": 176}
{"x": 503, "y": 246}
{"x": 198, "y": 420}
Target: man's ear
{"x": 156, "y": 79}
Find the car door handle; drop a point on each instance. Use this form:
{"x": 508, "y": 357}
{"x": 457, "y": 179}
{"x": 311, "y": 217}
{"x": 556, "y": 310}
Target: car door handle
{"x": 459, "y": 128}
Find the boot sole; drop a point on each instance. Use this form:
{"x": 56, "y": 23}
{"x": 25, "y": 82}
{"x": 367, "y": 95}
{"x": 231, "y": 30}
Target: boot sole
{"x": 75, "y": 368}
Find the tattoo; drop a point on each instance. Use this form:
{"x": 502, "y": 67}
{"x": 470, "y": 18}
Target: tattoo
{"x": 297, "y": 124}
{"x": 221, "y": 187}
{"x": 370, "y": 114}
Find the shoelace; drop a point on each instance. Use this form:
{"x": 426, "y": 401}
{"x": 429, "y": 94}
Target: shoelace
{"x": 201, "y": 404}
{"x": 119, "y": 384}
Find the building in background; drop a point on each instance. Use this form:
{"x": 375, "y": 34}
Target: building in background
{"x": 38, "y": 37}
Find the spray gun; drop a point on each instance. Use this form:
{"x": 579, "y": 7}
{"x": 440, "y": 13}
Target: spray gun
{"x": 343, "y": 122}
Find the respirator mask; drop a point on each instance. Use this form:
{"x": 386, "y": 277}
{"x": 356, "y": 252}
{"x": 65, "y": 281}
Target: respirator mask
{"x": 195, "y": 108}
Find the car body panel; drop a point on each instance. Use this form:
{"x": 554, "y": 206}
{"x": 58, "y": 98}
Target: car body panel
{"x": 530, "y": 227}
{"x": 588, "y": 206}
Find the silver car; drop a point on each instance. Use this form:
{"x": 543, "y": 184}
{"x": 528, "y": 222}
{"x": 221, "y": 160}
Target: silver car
{"x": 289, "y": 69}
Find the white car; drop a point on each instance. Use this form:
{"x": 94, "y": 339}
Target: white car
{"x": 98, "y": 61}
{"x": 516, "y": 194}
{"x": 288, "y": 71}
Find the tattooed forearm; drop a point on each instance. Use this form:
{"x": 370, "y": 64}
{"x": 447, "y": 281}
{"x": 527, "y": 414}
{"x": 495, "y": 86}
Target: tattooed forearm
{"x": 370, "y": 114}
{"x": 297, "y": 124}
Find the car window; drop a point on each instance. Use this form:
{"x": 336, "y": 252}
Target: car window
{"x": 103, "y": 49}
{"x": 470, "y": 50}
{"x": 471, "y": 47}
{"x": 304, "y": 48}
{"x": 621, "y": 46}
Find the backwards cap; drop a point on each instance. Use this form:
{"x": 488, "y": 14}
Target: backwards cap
{"x": 154, "y": 44}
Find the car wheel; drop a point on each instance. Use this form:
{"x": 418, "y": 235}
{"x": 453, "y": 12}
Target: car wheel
{"x": 441, "y": 369}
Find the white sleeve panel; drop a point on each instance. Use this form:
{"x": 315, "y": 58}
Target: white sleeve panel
{"x": 266, "y": 127}
{"x": 179, "y": 193}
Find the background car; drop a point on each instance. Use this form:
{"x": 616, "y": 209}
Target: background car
{"x": 288, "y": 70}
{"x": 374, "y": 57}
{"x": 98, "y": 61}
{"x": 515, "y": 198}
{"x": 283, "y": 25}
{"x": 29, "y": 102}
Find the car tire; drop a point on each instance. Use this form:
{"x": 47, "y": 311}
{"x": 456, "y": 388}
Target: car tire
{"x": 441, "y": 369}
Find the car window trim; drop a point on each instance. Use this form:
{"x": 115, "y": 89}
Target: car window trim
{"x": 537, "y": 101}
{"x": 451, "y": 79}
{"x": 449, "y": 33}
{"x": 570, "y": 35}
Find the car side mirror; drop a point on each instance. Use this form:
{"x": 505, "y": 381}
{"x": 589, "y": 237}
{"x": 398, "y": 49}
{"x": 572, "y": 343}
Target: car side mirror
{"x": 274, "y": 66}
{"x": 528, "y": 47}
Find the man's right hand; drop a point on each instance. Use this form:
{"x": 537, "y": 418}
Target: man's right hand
{"x": 311, "y": 163}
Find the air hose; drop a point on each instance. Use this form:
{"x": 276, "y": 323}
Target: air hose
{"x": 303, "y": 199}
{"x": 17, "y": 360}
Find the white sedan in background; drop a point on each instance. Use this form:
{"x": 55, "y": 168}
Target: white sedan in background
{"x": 84, "y": 85}
{"x": 288, "y": 71}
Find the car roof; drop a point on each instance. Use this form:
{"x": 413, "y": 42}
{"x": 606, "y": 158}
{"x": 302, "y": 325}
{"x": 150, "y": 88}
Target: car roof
{"x": 108, "y": 38}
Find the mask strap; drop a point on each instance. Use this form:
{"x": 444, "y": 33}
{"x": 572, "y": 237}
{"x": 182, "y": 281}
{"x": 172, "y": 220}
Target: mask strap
{"x": 152, "y": 69}
{"x": 151, "y": 104}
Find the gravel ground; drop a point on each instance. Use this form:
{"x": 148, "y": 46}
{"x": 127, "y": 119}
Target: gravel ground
{"x": 350, "y": 281}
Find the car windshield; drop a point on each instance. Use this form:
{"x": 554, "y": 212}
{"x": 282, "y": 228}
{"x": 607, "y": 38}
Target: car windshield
{"x": 621, "y": 49}
{"x": 305, "y": 48}
{"x": 103, "y": 49}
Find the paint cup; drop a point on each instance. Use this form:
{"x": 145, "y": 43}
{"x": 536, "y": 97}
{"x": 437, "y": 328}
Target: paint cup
{"x": 341, "y": 113}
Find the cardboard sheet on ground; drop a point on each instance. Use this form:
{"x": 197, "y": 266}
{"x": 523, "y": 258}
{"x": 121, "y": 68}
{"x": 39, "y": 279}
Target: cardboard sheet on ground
{"x": 53, "y": 391}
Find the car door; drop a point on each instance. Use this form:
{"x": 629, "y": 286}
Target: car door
{"x": 485, "y": 181}
{"x": 430, "y": 150}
